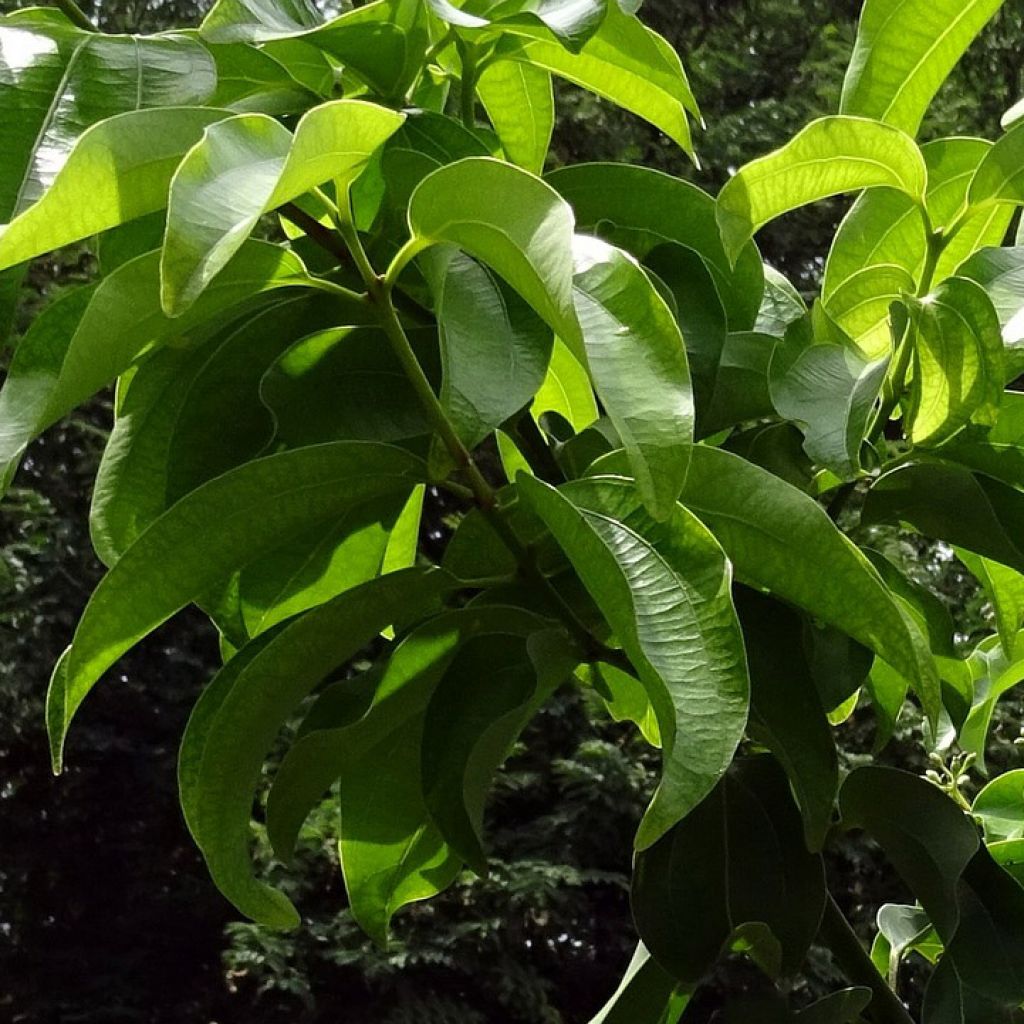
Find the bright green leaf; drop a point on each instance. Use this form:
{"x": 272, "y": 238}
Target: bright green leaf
{"x": 520, "y": 103}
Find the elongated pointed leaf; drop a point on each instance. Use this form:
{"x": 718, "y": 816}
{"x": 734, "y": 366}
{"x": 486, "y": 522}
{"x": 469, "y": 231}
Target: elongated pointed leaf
{"x": 647, "y": 992}
{"x": 1004, "y": 588}
{"x": 123, "y": 164}
{"x": 998, "y": 451}
{"x": 1001, "y": 273}
{"x": 905, "y": 49}
{"x": 566, "y": 390}
{"x": 830, "y": 156}
{"x": 520, "y": 102}
{"x": 777, "y": 538}
{"x": 626, "y": 63}
{"x": 925, "y": 836}
{"x": 738, "y": 859}
{"x": 820, "y": 380}
{"x": 259, "y": 20}
{"x": 1000, "y": 176}
{"x": 781, "y": 306}
{"x": 250, "y": 80}
{"x": 1000, "y": 805}
{"x": 526, "y": 238}
{"x": 247, "y": 165}
{"x": 232, "y": 732}
{"x": 958, "y": 362}
{"x": 665, "y": 590}
{"x": 190, "y": 415}
{"x": 571, "y": 22}
{"x": 786, "y": 712}
{"x": 390, "y": 860}
{"x": 637, "y": 361}
{"x": 994, "y": 672}
{"x": 267, "y": 498}
{"x": 950, "y": 503}
{"x": 494, "y": 348}
{"x": 57, "y": 80}
{"x": 66, "y": 359}
{"x": 639, "y": 209}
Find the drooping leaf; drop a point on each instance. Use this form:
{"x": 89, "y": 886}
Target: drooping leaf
{"x": 646, "y": 993}
{"x": 247, "y": 165}
{"x": 57, "y": 80}
{"x": 566, "y": 390}
{"x": 958, "y": 362}
{"x": 494, "y": 348}
{"x": 786, "y": 712}
{"x": 71, "y": 354}
{"x": 948, "y": 502}
{"x": 637, "y": 361}
{"x": 626, "y": 699}
{"x": 231, "y": 734}
{"x": 469, "y": 728}
{"x": 346, "y": 384}
{"x": 1000, "y": 806}
{"x": 830, "y": 156}
{"x": 189, "y": 415}
{"x": 519, "y": 100}
{"x": 994, "y": 672}
{"x": 820, "y": 380}
{"x": 925, "y": 836}
{"x": 390, "y": 860}
{"x": 1001, "y": 273}
{"x": 123, "y": 164}
{"x": 1000, "y": 176}
{"x": 737, "y": 859}
{"x": 639, "y": 209}
{"x": 1004, "y": 588}
{"x": 665, "y": 590}
{"x": 268, "y": 498}
{"x": 526, "y": 238}
{"x": 625, "y": 62}
{"x": 777, "y": 538}
{"x": 905, "y": 49}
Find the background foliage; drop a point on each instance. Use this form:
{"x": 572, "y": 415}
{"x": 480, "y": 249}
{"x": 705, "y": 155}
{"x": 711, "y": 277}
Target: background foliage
{"x": 106, "y": 913}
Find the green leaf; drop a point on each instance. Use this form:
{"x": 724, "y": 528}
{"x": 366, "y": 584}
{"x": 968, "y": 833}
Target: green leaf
{"x": 346, "y": 384}
{"x": 571, "y": 22}
{"x": 258, "y": 20}
{"x": 786, "y": 713}
{"x": 830, "y": 156}
{"x": 626, "y": 699}
{"x": 950, "y": 503}
{"x": 392, "y": 860}
{"x": 625, "y": 62}
{"x": 1000, "y": 176}
{"x": 403, "y": 541}
{"x": 999, "y": 451}
{"x": 251, "y": 80}
{"x": 993, "y": 674}
{"x": 526, "y": 238}
{"x": 57, "y": 80}
{"x": 231, "y": 733}
{"x": 269, "y": 498}
{"x": 900, "y": 929}
{"x": 881, "y": 247}
{"x": 566, "y": 390}
{"x": 639, "y": 209}
{"x": 1009, "y": 856}
{"x": 843, "y": 1007}
{"x": 1000, "y": 806}
{"x": 520, "y": 103}
{"x": 494, "y": 348}
{"x": 781, "y": 306}
{"x": 820, "y": 380}
{"x": 646, "y": 993}
{"x": 665, "y": 590}
{"x": 72, "y": 353}
{"x": 637, "y": 361}
{"x": 923, "y": 833}
{"x": 248, "y": 165}
{"x": 738, "y": 859}
{"x": 1001, "y": 273}
{"x": 469, "y": 729}
{"x": 1004, "y": 589}
{"x": 777, "y": 538}
{"x": 189, "y": 415}
{"x": 905, "y": 50}
{"x": 739, "y": 383}
{"x": 123, "y": 164}
{"x": 958, "y": 362}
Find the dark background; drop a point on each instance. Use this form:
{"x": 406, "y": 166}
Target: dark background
{"x": 106, "y": 911}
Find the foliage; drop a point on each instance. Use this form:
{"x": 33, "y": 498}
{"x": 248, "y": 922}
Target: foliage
{"x": 681, "y": 442}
